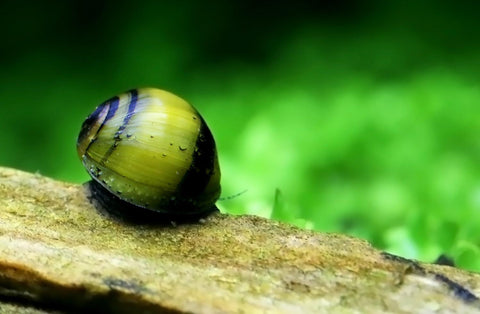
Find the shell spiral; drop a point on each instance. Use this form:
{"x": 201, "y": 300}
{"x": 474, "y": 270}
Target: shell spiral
{"x": 153, "y": 150}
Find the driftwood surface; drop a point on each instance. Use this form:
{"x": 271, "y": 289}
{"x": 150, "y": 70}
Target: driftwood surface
{"x": 58, "y": 253}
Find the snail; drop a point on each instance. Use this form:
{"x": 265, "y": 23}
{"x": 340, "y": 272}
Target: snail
{"x": 149, "y": 151}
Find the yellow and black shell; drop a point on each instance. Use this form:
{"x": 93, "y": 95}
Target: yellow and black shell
{"x": 153, "y": 150}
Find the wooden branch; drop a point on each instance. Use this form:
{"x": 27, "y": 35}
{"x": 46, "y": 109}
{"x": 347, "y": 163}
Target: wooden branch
{"x": 58, "y": 252}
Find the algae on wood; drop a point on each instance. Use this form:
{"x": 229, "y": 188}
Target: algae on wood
{"x": 58, "y": 252}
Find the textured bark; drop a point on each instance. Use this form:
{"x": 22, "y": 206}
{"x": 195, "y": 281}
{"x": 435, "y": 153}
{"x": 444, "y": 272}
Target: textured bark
{"x": 58, "y": 252}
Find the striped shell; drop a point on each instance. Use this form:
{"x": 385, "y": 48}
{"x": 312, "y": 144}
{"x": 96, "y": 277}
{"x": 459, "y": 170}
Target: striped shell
{"x": 152, "y": 149}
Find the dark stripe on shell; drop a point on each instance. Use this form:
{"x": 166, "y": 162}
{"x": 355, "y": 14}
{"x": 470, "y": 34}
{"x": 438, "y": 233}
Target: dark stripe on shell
{"x": 198, "y": 175}
{"x": 112, "y": 104}
{"x": 130, "y": 112}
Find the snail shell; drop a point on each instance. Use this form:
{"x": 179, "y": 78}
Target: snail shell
{"x": 149, "y": 149}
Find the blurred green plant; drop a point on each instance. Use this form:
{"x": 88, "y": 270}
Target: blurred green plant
{"x": 345, "y": 119}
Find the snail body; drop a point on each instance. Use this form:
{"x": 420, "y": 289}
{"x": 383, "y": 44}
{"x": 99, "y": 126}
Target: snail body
{"x": 149, "y": 149}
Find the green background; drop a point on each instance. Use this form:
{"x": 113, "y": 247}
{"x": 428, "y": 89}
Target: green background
{"x": 358, "y": 117}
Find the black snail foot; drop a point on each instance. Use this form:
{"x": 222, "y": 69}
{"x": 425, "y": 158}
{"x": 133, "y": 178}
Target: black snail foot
{"x": 118, "y": 209}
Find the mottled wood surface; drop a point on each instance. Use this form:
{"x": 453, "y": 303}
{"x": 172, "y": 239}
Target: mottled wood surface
{"x": 59, "y": 253}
